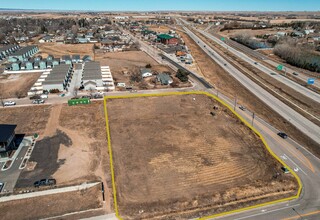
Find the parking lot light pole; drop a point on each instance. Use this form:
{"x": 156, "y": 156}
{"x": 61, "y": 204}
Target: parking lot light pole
{"x": 252, "y": 119}
{"x": 235, "y": 103}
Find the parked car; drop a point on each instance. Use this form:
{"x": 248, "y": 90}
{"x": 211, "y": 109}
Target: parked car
{"x": 45, "y": 182}
{"x": 86, "y": 97}
{"x": 35, "y": 97}
{"x": 242, "y": 108}
{"x": 9, "y": 103}
{"x": 285, "y": 169}
{"x": 97, "y": 96}
{"x": 38, "y": 101}
{"x": 44, "y": 96}
{"x": 283, "y": 135}
{"x": 1, "y": 186}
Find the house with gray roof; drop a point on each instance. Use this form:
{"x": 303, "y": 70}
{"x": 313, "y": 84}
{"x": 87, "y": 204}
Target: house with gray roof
{"x": 164, "y": 79}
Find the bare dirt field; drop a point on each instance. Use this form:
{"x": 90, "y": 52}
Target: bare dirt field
{"x": 175, "y": 159}
{"x": 52, "y": 205}
{"x": 29, "y": 120}
{"x": 73, "y": 138}
{"x": 58, "y": 50}
{"x": 160, "y": 29}
{"x": 17, "y": 85}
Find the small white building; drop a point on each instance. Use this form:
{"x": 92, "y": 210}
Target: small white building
{"x": 145, "y": 72}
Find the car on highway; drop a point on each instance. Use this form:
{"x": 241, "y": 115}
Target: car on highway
{"x": 9, "y": 103}
{"x": 38, "y": 101}
{"x": 256, "y": 63}
{"x": 242, "y": 108}
{"x": 296, "y": 74}
{"x": 283, "y": 135}
{"x": 225, "y": 64}
{"x": 45, "y": 182}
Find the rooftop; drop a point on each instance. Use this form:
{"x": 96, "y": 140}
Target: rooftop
{"x": 6, "y": 131}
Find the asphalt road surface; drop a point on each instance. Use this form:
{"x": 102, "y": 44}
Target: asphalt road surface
{"x": 303, "y": 124}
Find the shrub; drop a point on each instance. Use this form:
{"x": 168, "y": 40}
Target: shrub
{"x": 182, "y": 75}
{"x": 148, "y": 66}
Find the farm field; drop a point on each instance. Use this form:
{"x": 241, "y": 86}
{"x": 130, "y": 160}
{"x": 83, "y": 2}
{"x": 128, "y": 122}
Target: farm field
{"x": 17, "y": 85}
{"x": 174, "y": 159}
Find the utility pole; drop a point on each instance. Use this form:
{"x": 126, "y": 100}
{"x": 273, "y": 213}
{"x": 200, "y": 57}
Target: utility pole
{"x": 252, "y": 119}
{"x": 235, "y": 102}
{"x": 297, "y": 213}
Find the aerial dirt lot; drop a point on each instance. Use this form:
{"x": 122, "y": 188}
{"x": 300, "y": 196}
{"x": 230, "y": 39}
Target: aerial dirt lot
{"x": 175, "y": 160}
{"x": 74, "y": 138}
{"x": 159, "y": 29}
{"x": 71, "y": 139}
{"x": 125, "y": 64}
{"x": 52, "y": 205}
{"x": 58, "y": 50}
{"x": 17, "y": 85}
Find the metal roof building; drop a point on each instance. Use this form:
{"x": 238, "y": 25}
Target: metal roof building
{"x": 58, "y": 78}
{"x": 92, "y": 76}
{"x": 24, "y": 52}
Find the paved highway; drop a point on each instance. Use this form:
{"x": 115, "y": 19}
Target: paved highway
{"x": 266, "y": 59}
{"x": 299, "y": 88}
{"x": 303, "y": 124}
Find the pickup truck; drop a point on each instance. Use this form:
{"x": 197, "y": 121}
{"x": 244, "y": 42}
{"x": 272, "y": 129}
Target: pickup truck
{"x": 45, "y": 182}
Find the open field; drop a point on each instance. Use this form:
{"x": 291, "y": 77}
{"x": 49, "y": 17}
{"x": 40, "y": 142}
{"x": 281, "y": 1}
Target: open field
{"x": 52, "y": 205}
{"x": 58, "y": 50}
{"x": 29, "y": 120}
{"x": 77, "y": 130}
{"x": 160, "y": 29}
{"x": 252, "y": 32}
{"x": 17, "y": 85}
{"x": 71, "y": 138}
{"x": 175, "y": 160}
{"x": 124, "y": 64}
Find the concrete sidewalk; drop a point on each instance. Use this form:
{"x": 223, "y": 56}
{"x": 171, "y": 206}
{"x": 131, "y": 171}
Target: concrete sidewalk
{"x": 48, "y": 192}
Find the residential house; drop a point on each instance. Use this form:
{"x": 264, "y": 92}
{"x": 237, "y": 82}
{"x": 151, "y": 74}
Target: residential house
{"x": 43, "y": 64}
{"x": 29, "y": 65}
{"x": 164, "y": 79}
{"x": 76, "y": 58}
{"x": 15, "y": 66}
{"x": 24, "y": 52}
{"x": 55, "y": 62}
{"x": 66, "y": 59}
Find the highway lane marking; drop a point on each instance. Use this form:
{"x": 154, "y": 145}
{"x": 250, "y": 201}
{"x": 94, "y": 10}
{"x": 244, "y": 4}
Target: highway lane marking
{"x": 295, "y": 164}
{"x": 265, "y": 212}
{"x": 303, "y": 215}
{"x": 297, "y": 154}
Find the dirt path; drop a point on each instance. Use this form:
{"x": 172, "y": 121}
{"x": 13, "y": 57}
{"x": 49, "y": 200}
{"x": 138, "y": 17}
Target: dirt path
{"x": 53, "y": 121}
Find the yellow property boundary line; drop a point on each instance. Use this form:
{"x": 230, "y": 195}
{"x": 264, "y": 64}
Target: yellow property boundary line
{"x": 234, "y": 112}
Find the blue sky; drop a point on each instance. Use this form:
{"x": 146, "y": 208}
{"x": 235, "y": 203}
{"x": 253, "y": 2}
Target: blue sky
{"x": 145, "y": 5}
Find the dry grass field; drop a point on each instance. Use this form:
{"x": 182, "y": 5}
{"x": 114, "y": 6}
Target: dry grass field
{"x": 160, "y": 29}
{"x": 175, "y": 160}
{"x": 58, "y": 50}
{"x": 29, "y": 120}
{"x": 52, "y": 205}
{"x": 17, "y": 85}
